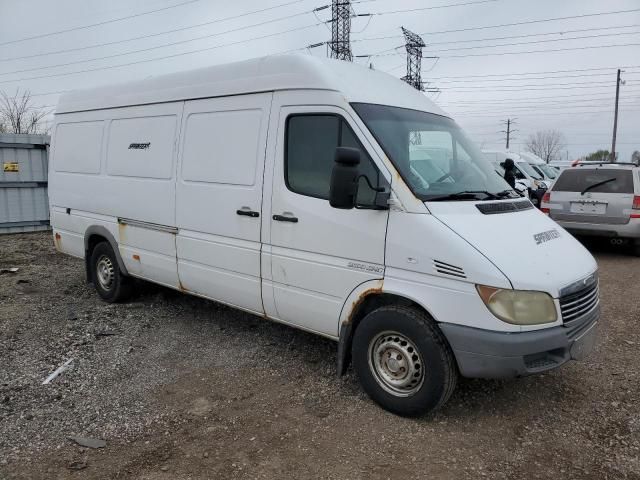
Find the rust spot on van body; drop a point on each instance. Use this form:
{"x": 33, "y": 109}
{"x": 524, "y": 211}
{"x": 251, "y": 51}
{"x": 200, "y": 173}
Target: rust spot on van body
{"x": 136, "y": 257}
{"x": 361, "y": 298}
{"x": 121, "y": 231}
{"x": 57, "y": 240}
{"x": 181, "y": 287}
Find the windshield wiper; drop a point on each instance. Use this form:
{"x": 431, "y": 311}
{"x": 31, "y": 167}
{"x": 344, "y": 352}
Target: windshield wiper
{"x": 468, "y": 195}
{"x": 597, "y": 184}
{"x": 505, "y": 193}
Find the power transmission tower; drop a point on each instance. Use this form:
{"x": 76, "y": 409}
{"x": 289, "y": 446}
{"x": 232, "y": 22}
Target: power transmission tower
{"x": 340, "y": 44}
{"x": 509, "y": 122}
{"x": 615, "y": 118}
{"x": 414, "y": 45}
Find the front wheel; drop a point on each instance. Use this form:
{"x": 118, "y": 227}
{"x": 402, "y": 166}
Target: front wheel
{"x": 106, "y": 276}
{"x": 403, "y": 361}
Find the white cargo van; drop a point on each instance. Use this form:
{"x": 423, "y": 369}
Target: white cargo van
{"x": 286, "y": 187}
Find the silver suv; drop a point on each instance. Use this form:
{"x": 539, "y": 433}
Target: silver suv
{"x": 598, "y": 199}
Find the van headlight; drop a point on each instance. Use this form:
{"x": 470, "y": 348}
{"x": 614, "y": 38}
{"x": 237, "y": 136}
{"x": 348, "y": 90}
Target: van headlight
{"x": 519, "y": 307}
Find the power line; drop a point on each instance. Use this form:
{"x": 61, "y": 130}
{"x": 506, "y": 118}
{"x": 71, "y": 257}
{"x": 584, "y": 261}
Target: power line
{"x": 493, "y": 100}
{"x": 537, "y": 73}
{"x": 509, "y": 37}
{"x": 537, "y": 84}
{"x": 517, "y": 88}
{"x": 115, "y": 55}
{"x": 542, "y": 51}
{"x": 165, "y": 32}
{"x": 555, "y": 77}
{"x": 434, "y": 7}
{"x": 105, "y": 22}
{"x": 165, "y": 56}
{"x": 537, "y": 113}
{"x": 537, "y": 41}
{"x": 528, "y": 102}
{"x": 527, "y": 22}
{"x": 534, "y": 107}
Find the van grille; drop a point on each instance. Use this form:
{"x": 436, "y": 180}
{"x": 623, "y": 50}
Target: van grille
{"x": 578, "y": 304}
{"x": 448, "y": 269}
{"x": 503, "y": 207}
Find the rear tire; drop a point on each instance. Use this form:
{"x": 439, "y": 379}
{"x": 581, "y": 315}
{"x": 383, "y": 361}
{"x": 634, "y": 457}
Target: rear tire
{"x": 106, "y": 276}
{"x": 403, "y": 361}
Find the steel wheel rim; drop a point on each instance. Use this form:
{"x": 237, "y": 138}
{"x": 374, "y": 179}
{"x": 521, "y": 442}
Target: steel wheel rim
{"x": 396, "y": 363}
{"x": 105, "y": 272}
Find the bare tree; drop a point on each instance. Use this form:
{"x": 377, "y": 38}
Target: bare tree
{"x": 546, "y": 144}
{"x": 19, "y": 115}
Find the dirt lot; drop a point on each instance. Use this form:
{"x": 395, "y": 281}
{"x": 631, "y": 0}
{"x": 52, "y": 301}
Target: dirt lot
{"x": 184, "y": 388}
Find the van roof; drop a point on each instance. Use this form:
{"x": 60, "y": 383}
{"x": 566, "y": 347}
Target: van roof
{"x": 279, "y": 72}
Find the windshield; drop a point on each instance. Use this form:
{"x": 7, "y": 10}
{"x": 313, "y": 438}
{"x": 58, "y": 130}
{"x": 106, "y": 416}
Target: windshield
{"x": 537, "y": 169}
{"x": 548, "y": 170}
{"x": 528, "y": 169}
{"x": 598, "y": 180}
{"x": 431, "y": 152}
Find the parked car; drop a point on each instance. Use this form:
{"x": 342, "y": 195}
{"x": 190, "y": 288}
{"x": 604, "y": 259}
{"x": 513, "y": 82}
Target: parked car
{"x": 285, "y": 187}
{"x": 601, "y": 199}
{"x": 548, "y": 173}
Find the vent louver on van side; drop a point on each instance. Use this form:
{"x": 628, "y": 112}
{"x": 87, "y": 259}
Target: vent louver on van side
{"x": 504, "y": 207}
{"x": 448, "y": 269}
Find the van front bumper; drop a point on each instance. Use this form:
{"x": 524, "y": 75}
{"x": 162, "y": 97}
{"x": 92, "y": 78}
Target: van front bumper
{"x": 489, "y": 354}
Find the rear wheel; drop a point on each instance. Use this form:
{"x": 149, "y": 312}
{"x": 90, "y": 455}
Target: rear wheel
{"x": 403, "y": 361}
{"x": 106, "y": 275}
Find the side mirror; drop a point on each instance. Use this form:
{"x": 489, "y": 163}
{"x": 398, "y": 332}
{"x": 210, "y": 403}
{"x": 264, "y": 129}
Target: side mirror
{"x": 343, "y": 188}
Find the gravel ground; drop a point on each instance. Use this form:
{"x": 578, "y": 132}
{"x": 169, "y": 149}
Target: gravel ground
{"x": 182, "y": 388}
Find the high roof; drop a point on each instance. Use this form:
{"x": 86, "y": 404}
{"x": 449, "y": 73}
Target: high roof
{"x": 284, "y": 72}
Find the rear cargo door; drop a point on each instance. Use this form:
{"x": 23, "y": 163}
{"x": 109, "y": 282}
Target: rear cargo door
{"x": 219, "y": 198}
{"x": 593, "y": 195}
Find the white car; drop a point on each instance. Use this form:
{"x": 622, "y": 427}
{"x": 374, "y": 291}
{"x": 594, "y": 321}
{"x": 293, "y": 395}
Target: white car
{"x": 285, "y": 187}
{"x": 548, "y": 173}
{"x": 524, "y": 171}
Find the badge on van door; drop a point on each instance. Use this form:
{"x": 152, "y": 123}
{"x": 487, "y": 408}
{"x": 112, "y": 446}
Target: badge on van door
{"x": 546, "y": 236}
{"x": 365, "y": 267}
{"x": 139, "y": 146}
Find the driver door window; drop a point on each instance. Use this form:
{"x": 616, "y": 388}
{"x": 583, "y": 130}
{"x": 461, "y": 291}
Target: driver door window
{"x": 311, "y": 146}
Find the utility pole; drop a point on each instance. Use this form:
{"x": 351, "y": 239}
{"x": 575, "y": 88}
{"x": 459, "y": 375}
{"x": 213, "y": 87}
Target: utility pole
{"x": 509, "y": 131}
{"x": 615, "y": 119}
{"x": 340, "y": 44}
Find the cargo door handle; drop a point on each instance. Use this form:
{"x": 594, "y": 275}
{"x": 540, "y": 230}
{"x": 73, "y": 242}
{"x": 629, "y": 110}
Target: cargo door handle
{"x": 283, "y": 218}
{"x": 248, "y": 213}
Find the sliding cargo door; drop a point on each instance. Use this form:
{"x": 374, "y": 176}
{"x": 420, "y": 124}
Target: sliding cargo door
{"x": 219, "y": 198}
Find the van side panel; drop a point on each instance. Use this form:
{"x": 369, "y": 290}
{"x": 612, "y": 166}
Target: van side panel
{"x": 219, "y": 198}
{"x": 109, "y": 165}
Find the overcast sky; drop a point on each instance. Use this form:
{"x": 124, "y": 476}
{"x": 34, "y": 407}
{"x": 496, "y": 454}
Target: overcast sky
{"x": 480, "y": 84}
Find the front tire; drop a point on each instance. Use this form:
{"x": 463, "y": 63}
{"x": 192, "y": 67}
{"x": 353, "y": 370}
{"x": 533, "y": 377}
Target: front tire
{"x": 403, "y": 361}
{"x": 106, "y": 276}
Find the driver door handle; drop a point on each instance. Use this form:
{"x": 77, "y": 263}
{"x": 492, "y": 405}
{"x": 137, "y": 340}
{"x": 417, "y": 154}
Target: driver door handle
{"x": 283, "y": 218}
{"x": 248, "y": 213}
